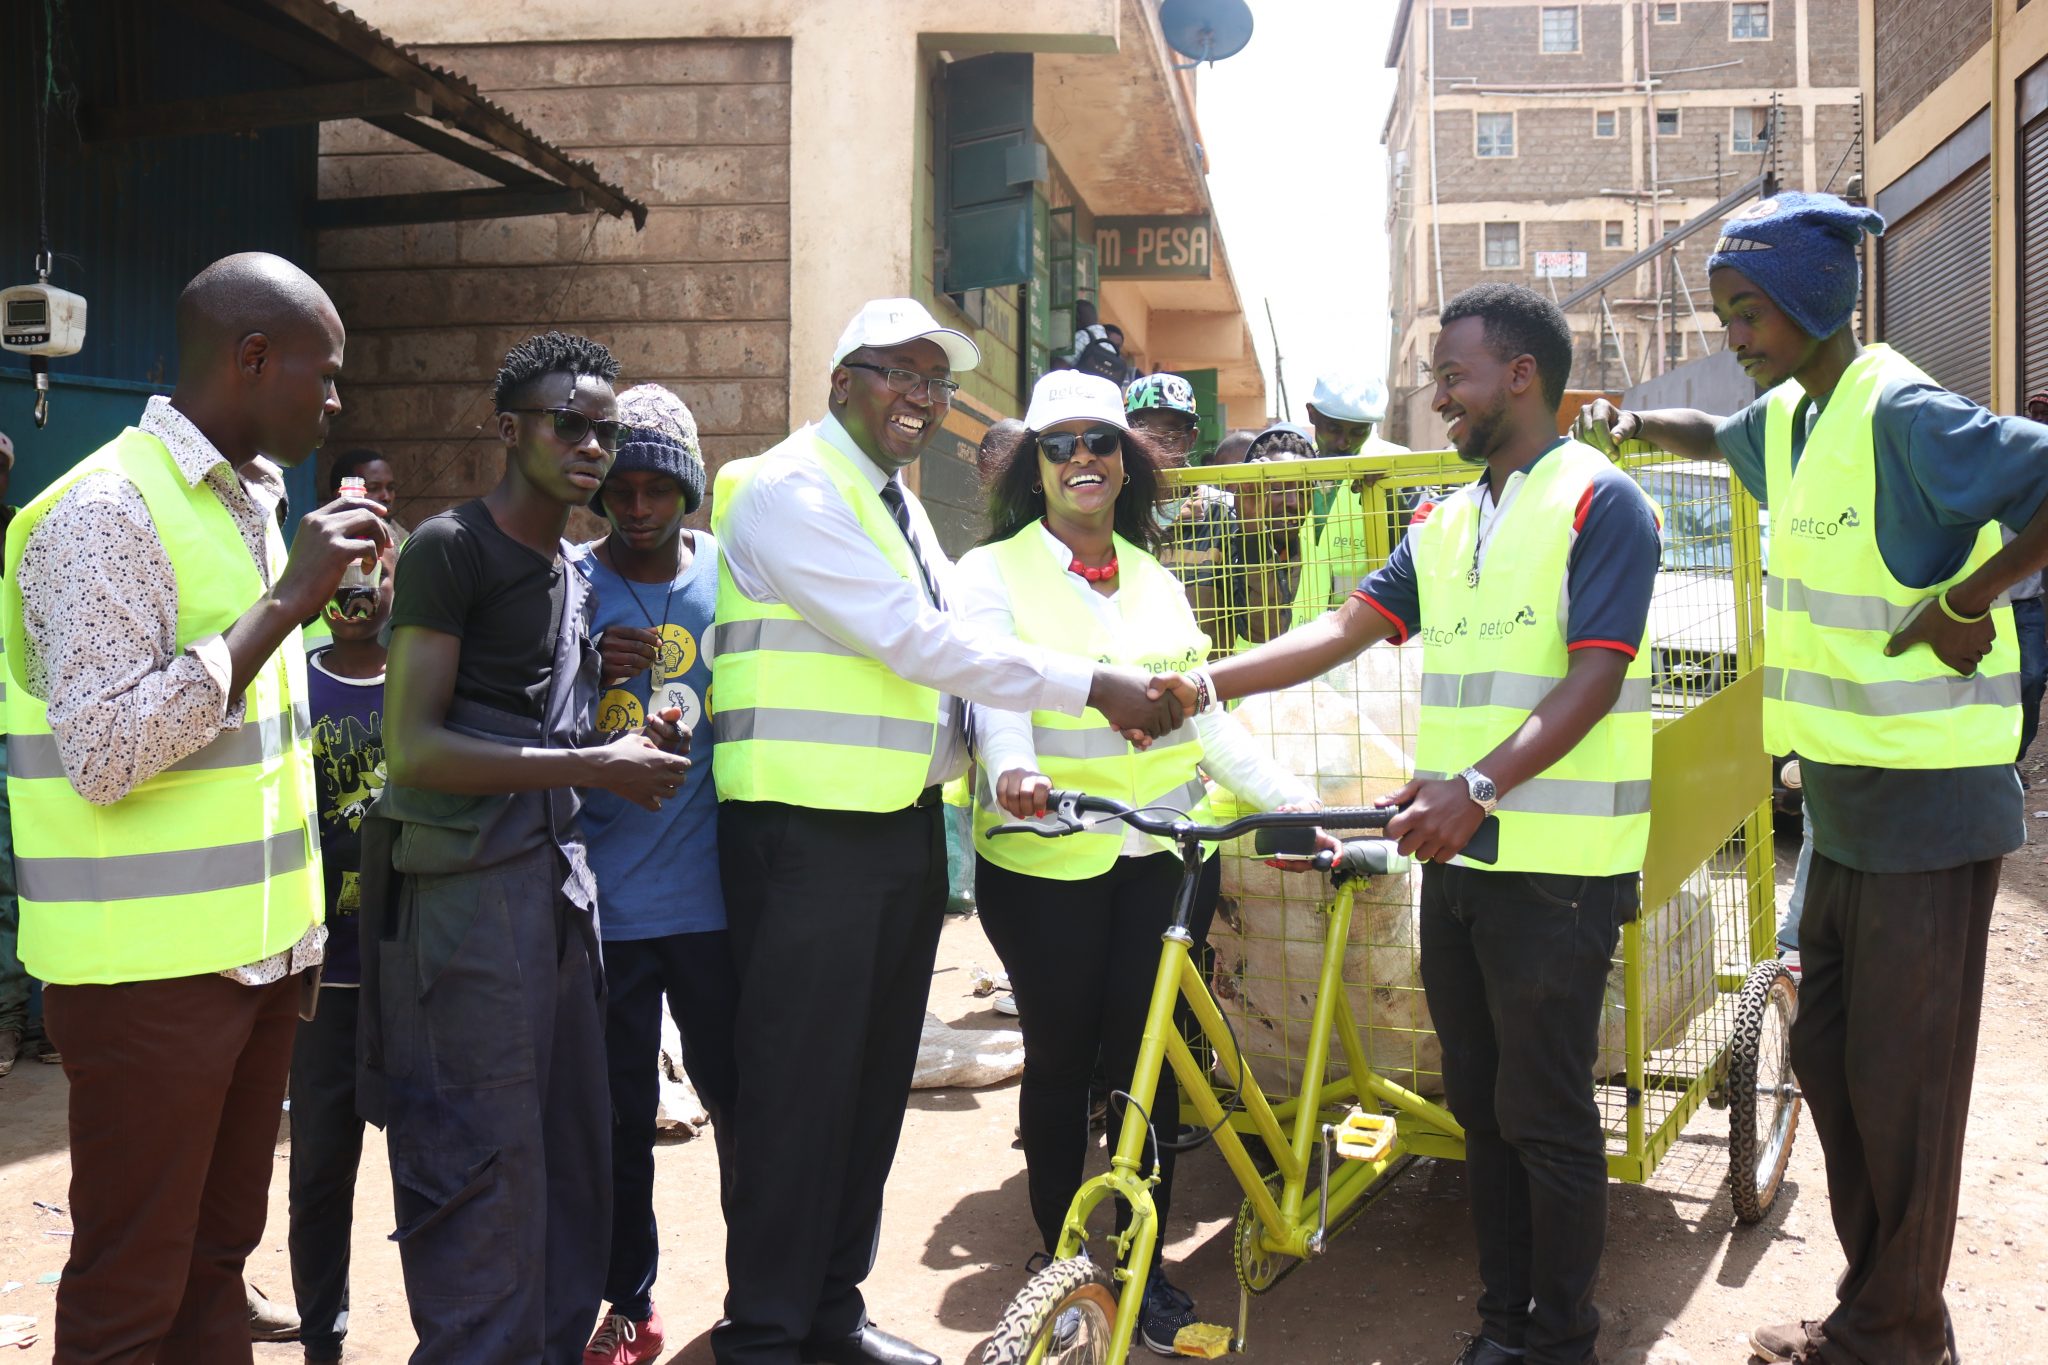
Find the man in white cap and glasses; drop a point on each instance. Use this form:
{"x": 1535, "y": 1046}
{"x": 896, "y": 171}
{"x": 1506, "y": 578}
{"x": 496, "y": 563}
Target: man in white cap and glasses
{"x": 1344, "y": 412}
{"x": 839, "y": 675}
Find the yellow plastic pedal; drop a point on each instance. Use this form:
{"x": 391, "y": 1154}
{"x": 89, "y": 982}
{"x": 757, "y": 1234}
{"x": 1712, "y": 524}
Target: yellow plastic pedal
{"x": 1203, "y": 1341}
{"x": 1365, "y": 1137}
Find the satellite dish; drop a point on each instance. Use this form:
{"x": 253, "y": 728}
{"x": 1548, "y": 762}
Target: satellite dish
{"x": 1205, "y": 30}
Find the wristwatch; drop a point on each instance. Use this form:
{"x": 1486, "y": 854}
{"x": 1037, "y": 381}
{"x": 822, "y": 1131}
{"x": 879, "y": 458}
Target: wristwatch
{"x": 1482, "y": 790}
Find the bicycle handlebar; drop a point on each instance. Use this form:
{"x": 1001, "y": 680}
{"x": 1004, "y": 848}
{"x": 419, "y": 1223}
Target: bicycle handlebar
{"x": 1067, "y": 807}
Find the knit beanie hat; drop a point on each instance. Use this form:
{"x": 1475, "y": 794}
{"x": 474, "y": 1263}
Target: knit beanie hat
{"x": 1800, "y": 249}
{"x": 662, "y": 437}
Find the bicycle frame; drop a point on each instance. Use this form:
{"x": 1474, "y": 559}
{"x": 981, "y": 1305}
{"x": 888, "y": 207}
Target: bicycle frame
{"x": 1287, "y": 1226}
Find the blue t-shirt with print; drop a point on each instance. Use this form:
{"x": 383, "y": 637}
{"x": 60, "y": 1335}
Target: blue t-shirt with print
{"x": 657, "y": 871}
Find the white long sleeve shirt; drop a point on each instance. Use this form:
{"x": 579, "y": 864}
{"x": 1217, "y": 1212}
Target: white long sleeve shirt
{"x": 791, "y": 538}
{"x": 1003, "y": 738}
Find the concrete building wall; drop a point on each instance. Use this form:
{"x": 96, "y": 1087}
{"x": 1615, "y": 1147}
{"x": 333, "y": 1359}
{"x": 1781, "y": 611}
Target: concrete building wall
{"x": 699, "y": 300}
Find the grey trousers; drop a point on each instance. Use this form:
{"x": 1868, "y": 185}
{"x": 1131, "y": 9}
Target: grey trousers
{"x": 499, "y": 1114}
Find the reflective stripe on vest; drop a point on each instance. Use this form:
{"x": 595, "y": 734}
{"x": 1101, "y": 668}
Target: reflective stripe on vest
{"x": 1492, "y": 652}
{"x": 1831, "y": 604}
{"x": 801, "y": 718}
{"x": 212, "y": 863}
{"x": 1158, "y": 633}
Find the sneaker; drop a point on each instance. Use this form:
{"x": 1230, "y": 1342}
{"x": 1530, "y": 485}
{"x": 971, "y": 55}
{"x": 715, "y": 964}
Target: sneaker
{"x": 10, "y": 1048}
{"x": 268, "y": 1319}
{"x": 1796, "y": 1342}
{"x": 1165, "y": 1311}
{"x": 1067, "y": 1330}
{"x": 1480, "y": 1351}
{"x": 1006, "y": 1003}
{"x": 621, "y": 1341}
{"x": 1789, "y": 959}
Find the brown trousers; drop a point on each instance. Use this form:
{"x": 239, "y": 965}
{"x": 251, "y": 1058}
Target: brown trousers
{"x": 1885, "y": 1047}
{"x": 176, "y": 1089}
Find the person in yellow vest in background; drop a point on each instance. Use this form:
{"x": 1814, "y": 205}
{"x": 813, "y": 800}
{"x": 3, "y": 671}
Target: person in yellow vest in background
{"x": 1344, "y": 413}
{"x": 1891, "y": 668}
{"x": 163, "y": 802}
{"x": 838, "y": 672}
{"x": 1068, "y": 565}
{"x": 1530, "y": 588}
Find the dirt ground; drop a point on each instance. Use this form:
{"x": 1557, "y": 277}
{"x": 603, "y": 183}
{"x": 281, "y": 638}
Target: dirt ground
{"x": 1681, "y": 1282}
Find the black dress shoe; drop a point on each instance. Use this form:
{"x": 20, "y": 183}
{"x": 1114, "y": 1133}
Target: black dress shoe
{"x": 869, "y": 1346}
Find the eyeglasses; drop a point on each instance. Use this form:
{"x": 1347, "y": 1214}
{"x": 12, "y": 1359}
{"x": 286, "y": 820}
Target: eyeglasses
{"x": 572, "y": 427}
{"x": 1174, "y": 429}
{"x": 1101, "y": 442}
{"x": 938, "y": 392}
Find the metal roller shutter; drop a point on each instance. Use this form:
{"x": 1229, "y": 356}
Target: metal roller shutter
{"x": 1934, "y": 285}
{"x": 2034, "y": 256}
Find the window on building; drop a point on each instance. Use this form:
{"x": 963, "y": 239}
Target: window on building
{"x": 1610, "y": 345}
{"x": 1460, "y": 17}
{"x": 1674, "y": 347}
{"x": 1611, "y": 234}
{"x": 1495, "y": 135}
{"x": 1752, "y": 130}
{"x": 1667, "y": 123}
{"x": 1603, "y": 123}
{"x": 1422, "y": 373}
{"x": 1503, "y": 246}
{"x": 1749, "y": 19}
{"x": 1560, "y": 28}
{"x": 1667, "y": 11}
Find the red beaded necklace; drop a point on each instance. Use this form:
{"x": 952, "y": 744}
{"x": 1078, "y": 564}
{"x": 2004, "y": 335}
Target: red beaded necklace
{"x": 1101, "y": 575}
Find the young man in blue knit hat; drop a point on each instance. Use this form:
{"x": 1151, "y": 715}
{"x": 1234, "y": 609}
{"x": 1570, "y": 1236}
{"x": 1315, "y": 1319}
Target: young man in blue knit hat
{"x": 1892, "y": 670}
{"x": 663, "y": 922}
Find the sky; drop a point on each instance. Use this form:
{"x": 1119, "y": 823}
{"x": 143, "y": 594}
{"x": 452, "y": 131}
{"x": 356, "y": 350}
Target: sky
{"x": 1298, "y": 176}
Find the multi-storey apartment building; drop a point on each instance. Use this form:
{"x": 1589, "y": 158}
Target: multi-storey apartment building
{"x": 1550, "y": 143}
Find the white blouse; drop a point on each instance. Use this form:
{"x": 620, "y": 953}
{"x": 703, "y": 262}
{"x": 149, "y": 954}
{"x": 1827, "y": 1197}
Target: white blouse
{"x": 1003, "y": 738}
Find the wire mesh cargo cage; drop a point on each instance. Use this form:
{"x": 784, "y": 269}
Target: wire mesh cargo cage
{"x": 1697, "y": 1008}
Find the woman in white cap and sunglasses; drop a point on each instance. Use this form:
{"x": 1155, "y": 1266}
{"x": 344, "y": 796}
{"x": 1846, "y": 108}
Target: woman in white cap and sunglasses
{"x": 1068, "y": 566}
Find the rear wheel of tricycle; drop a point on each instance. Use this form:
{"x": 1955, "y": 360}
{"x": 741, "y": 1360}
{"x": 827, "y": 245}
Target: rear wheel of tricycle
{"x": 1763, "y": 1095}
{"x": 1064, "y": 1316}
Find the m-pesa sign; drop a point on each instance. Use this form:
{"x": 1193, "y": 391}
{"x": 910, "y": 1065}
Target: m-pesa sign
{"x": 1160, "y": 246}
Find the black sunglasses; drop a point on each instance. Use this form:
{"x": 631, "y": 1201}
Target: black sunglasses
{"x": 1101, "y": 442}
{"x": 572, "y": 426}
{"x": 938, "y": 392}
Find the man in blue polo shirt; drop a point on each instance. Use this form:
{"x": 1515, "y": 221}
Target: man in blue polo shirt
{"x": 1891, "y": 669}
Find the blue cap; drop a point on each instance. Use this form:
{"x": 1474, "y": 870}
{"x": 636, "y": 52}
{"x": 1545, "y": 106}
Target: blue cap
{"x": 1800, "y": 249}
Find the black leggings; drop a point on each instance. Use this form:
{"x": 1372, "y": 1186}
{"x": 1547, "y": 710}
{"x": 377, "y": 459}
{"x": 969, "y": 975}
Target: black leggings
{"x": 1082, "y": 957}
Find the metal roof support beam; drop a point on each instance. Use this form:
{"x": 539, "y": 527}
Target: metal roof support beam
{"x": 446, "y": 206}
{"x": 1665, "y": 243}
{"x": 257, "y": 109}
{"x": 452, "y": 148}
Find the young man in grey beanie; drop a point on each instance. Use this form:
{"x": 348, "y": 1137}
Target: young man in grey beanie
{"x": 1892, "y": 670}
{"x": 663, "y": 927}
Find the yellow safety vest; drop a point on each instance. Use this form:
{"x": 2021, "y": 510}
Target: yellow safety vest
{"x": 801, "y": 718}
{"x": 1335, "y": 553}
{"x": 213, "y": 863}
{"x": 1831, "y": 604}
{"x": 1492, "y": 652}
{"x": 1082, "y": 752}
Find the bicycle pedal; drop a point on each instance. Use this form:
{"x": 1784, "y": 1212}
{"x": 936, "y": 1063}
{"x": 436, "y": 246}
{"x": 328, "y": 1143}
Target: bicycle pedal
{"x": 1365, "y": 1137}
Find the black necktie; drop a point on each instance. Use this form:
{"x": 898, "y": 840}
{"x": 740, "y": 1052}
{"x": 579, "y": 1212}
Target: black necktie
{"x": 892, "y": 498}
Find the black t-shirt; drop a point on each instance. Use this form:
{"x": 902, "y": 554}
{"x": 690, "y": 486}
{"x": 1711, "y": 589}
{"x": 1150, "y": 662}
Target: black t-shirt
{"x": 459, "y": 574}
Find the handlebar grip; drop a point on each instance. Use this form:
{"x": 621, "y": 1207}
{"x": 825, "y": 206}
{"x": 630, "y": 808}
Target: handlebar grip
{"x": 1356, "y": 817}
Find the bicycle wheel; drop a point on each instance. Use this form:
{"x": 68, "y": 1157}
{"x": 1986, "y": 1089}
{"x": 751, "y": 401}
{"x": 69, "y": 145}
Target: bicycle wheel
{"x": 1063, "y": 1316}
{"x": 1763, "y": 1095}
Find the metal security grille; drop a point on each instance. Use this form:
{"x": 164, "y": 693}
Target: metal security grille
{"x": 1934, "y": 285}
{"x": 1263, "y": 547}
{"x": 2034, "y": 256}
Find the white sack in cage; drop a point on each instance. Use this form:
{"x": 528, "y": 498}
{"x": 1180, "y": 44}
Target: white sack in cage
{"x": 1347, "y": 733}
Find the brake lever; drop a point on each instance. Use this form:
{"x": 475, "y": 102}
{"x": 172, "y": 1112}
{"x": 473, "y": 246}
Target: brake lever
{"x": 1065, "y": 813}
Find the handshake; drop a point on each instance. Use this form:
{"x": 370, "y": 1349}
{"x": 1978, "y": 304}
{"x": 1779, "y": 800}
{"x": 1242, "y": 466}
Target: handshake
{"x": 1141, "y": 705}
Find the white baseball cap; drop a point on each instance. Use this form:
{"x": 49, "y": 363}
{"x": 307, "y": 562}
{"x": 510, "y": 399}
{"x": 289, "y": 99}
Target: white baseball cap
{"x": 1067, "y": 395}
{"x": 1344, "y": 398}
{"x": 891, "y": 322}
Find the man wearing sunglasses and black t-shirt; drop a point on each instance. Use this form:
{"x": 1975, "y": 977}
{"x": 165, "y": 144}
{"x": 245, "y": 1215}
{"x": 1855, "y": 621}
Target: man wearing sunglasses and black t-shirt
{"x": 482, "y": 1028}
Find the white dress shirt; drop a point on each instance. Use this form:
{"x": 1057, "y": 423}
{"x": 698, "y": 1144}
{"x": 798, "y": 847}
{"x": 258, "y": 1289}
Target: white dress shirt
{"x": 1002, "y": 739}
{"x": 791, "y": 538}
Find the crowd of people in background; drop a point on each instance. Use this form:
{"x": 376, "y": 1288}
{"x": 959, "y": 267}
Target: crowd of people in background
{"x": 427, "y": 829}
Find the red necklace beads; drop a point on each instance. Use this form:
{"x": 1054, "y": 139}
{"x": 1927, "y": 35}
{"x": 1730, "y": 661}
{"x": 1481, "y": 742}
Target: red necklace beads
{"x": 1101, "y": 575}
